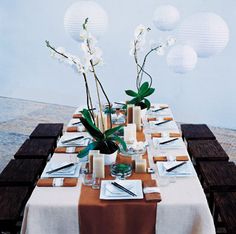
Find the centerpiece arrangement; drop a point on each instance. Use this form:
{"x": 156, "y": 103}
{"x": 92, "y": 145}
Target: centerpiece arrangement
{"x": 144, "y": 89}
{"x": 104, "y": 139}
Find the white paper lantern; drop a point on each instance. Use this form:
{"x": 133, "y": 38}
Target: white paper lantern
{"x": 78, "y": 12}
{"x": 206, "y": 32}
{"x": 182, "y": 58}
{"x": 166, "y": 17}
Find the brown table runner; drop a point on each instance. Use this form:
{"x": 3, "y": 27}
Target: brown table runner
{"x": 116, "y": 216}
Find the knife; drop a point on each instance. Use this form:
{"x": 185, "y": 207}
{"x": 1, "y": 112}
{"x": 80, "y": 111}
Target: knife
{"x": 72, "y": 139}
{"x": 174, "y": 167}
{"x": 59, "y": 168}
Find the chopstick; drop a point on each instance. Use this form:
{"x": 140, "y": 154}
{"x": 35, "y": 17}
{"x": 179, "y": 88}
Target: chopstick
{"x": 172, "y": 168}
{"x": 163, "y": 108}
{"x": 124, "y": 189}
{"x": 163, "y": 122}
{"x": 120, "y": 103}
{"x": 59, "y": 168}
{"x": 165, "y": 142}
{"x": 72, "y": 139}
{"x": 77, "y": 123}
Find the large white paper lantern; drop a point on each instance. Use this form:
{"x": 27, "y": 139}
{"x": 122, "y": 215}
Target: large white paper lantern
{"x": 166, "y": 17}
{"x": 206, "y": 32}
{"x": 182, "y": 58}
{"x": 78, "y": 12}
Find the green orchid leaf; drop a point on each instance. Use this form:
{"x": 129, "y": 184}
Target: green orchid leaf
{"x": 135, "y": 100}
{"x": 143, "y": 89}
{"x": 119, "y": 140}
{"x": 86, "y": 115}
{"x": 147, "y": 103}
{"x": 112, "y": 130}
{"x": 131, "y": 93}
{"x": 149, "y": 92}
{"x": 84, "y": 152}
{"x": 92, "y": 129}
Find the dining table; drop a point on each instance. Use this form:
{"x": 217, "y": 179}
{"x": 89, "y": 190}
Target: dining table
{"x": 182, "y": 209}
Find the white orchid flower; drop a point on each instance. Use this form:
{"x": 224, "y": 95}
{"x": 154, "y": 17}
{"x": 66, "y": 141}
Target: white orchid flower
{"x": 160, "y": 51}
{"x": 170, "y": 41}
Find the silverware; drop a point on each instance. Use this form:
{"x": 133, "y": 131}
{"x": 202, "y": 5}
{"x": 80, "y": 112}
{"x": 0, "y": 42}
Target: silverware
{"x": 174, "y": 167}
{"x": 165, "y": 142}
{"x": 60, "y": 168}
{"x": 123, "y": 189}
{"x": 77, "y": 123}
{"x": 166, "y": 121}
{"x": 72, "y": 139}
{"x": 163, "y": 108}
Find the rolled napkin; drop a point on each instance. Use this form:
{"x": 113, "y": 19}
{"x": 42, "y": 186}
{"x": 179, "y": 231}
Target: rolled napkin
{"x": 167, "y": 118}
{"x": 175, "y": 134}
{"x": 68, "y": 150}
{"x": 154, "y": 192}
{"x": 76, "y": 116}
{"x": 163, "y": 105}
{"x": 164, "y": 158}
{"x": 157, "y": 134}
{"x": 152, "y": 119}
{"x": 76, "y": 129}
{"x": 57, "y": 182}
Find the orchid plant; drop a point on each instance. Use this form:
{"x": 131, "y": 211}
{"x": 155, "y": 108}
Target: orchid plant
{"x": 144, "y": 89}
{"x": 107, "y": 141}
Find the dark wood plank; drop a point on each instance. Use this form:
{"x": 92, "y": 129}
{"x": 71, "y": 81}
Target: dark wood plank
{"x": 22, "y": 172}
{"x": 206, "y": 150}
{"x": 196, "y": 132}
{"x": 12, "y": 202}
{"x": 35, "y": 148}
{"x": 47, "y": 130}
{"x": 226, "y": 206}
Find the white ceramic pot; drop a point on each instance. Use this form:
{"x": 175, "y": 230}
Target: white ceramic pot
{"x": 110, "y": 158}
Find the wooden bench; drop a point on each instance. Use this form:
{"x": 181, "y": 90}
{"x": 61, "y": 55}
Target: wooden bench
{"x": 206, "y": 150}
{"x": 217, "y": 177}
{"x": 196, "y": 132}
{"x": 226, "y": 210}
{"x": 36, "y": 149}
{"x": 48, "y": 130}
{"x": 12, "y": 202}
{"x": 22, "y": 172}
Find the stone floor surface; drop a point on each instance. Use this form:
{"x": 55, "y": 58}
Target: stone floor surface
{"x": 18, "y": 118}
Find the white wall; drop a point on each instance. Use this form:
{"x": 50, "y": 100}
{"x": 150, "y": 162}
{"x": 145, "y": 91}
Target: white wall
{"x": 206, "y": 94}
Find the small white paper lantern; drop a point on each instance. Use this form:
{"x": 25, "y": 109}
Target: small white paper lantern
{"x": 166, "y": 17}
{"x": 78, "y": 12}
{"x": 206, "y": 32}
{"x": 182, "y": 58}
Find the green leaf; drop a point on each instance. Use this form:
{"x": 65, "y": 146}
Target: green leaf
{"x": 147, "y": 103}
{"x": 120, "y": 140}
{"x": 131, "y": 93}
{"x": 112, "y": 130}
{"x": 149, "y": 92}
{"x": 92, "y": 129}
{"x": 135, "y": 100}
{"x": 84, "y": 152}
{"x": 86, "y": 115}
{"x": 143, "y": 89}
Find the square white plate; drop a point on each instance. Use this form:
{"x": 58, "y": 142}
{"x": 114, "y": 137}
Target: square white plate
{"x": 110, "y": 192}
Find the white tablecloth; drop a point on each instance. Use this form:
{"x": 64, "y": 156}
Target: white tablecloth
{"x": 183, "y": 210}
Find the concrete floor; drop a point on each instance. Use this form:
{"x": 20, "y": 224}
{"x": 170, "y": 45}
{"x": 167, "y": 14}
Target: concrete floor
{"x": 18, "y": 118}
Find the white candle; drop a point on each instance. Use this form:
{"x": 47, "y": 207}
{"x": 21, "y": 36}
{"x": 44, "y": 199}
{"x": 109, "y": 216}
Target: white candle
{"x": 137, "y": 117}
{"x": 99, "y": 166}
{"x": 92, "y": 153}
{"x": 140, "y": 166}
{"x": 130, "y": 133}
{"x": 101, "y": 121}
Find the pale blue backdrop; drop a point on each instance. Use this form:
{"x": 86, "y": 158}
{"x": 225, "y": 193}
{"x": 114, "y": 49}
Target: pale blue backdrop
{"x": 206, "y": 94}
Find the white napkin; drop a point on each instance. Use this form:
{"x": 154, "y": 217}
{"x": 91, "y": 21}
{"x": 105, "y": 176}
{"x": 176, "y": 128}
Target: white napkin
{"x": 151, "y": 190}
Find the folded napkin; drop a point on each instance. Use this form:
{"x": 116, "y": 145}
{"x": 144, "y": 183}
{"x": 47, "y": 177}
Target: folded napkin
{"x": 76, "y": 129}
{"x": 164, "y": 158}
{"x": 153, "y": 194}
{"x": 152, "y": 119}
{"x": 163, "y": 105}
{"x": 174, "y": 134}
{"x": 76, "y": 116}
{"x": 167, "y": 118}
{"x": 68, "y": 150}
{"x": 157, "y": 134}
{"x": 57, "y": 182}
